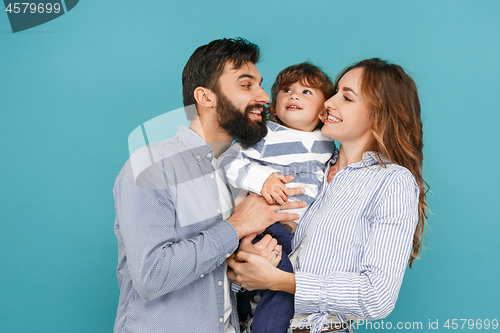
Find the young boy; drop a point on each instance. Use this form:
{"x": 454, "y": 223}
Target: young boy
{"x": 294, "y": 145}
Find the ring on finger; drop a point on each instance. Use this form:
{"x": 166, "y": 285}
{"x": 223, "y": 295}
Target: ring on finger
{"x": 276, "y": 252}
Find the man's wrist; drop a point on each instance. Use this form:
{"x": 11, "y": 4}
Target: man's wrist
{"x": 240, "y": 229}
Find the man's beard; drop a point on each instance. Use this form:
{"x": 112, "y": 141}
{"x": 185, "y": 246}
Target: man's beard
{"x": 239, "y": 125}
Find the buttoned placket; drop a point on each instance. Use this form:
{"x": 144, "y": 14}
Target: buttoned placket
{"x": 213, "y": 176}
{"x": 205, "y": 161}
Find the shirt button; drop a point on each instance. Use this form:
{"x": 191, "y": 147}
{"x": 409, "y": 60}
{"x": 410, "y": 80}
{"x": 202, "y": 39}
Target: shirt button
{"x": 212, "y": 176}
{"x": 209, "y": 155}
{"x": 220, "y": 283}
{"x": 218, "y": 211}
{"x": 221, "y": 319}
{"x": 202, "y": 275}
{"x": 198, "y": 157}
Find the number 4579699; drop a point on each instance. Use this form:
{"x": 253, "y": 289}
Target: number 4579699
{"x": 22, "y": 7}
{"x": 471, "y": 324}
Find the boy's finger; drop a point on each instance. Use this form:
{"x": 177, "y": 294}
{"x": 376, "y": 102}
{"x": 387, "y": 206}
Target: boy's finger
{"x": 284, "y": 197}
{"x": 269, "y": 198}
{"x": 286, "y": 179}
{"x": 278, "y": 199}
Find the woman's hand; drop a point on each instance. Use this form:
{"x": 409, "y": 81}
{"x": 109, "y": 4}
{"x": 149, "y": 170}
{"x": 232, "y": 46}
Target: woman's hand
{"x": 267, "y": 247}
{"x": 252, "y": 272}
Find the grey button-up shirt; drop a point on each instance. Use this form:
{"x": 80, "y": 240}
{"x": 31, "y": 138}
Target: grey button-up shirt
{"x": 172, "y": 239}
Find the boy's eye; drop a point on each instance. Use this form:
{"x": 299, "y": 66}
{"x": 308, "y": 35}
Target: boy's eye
{"x": 287, "y": 90}
{"x": 307, "y": 92}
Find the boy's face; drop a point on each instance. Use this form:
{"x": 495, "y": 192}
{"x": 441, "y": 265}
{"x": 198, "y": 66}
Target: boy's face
{"x": 299, "y": 106}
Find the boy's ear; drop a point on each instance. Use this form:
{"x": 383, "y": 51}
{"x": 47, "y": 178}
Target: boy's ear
{"x": 205, "y": 97}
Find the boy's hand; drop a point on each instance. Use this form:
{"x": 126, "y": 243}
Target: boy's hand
{"x": 254, "y": 214}
{"x": 274, "y": 189}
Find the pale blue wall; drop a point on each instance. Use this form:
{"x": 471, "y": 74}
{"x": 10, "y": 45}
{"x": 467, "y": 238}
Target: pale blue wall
{"x": 72, "y": 90}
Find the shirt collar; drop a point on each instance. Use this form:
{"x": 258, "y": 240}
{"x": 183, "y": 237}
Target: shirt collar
{"x": 370, "y": 158}
{"x": 194, "y": 143}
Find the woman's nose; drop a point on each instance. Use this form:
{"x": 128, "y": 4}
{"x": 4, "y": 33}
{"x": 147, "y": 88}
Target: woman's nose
{"x": 330, "y": 103}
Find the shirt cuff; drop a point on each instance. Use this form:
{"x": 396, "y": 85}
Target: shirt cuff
{"x": 336, "y": 293}
{"x": 308, "y": 289}
{"x": 226, "y": 239}
{"x": 256, "y": 176}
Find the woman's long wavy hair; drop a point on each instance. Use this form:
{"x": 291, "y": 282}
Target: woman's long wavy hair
{"x": 397, "y": 127}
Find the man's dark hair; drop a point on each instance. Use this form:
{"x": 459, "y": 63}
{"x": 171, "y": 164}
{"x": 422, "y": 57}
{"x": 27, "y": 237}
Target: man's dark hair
{"x": 206, "y": 64}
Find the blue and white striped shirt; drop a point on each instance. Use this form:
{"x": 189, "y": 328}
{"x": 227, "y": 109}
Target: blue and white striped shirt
{"x": 285, "y": 151}
{"x": 173, "y": 239}
{"x": 354, "y": 241}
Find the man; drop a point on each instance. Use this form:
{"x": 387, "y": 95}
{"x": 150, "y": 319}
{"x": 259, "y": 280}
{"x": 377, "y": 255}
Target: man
{"x": 173, "y": 211}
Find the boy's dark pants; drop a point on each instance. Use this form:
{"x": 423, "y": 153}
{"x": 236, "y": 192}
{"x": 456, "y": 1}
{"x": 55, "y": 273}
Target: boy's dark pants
{"x": 275, "y": 309}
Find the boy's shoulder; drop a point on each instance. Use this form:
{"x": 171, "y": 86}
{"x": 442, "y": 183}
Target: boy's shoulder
{"x": 275, "y": 127}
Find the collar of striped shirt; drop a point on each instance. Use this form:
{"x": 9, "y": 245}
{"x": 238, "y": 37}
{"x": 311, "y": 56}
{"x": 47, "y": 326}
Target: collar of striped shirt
{"x": 369, "y": 158}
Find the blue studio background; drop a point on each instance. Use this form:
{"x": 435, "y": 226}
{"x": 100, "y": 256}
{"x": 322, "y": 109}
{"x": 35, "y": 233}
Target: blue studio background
{"x": 73, "y": 89}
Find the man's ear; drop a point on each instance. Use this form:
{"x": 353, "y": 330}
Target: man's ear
{"x": 205, "y": 97}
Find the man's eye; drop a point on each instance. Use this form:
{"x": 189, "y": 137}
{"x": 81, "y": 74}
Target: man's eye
{"x": 245, "y": 85}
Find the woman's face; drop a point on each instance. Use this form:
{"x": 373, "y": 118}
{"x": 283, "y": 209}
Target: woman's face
{"x": 347, "y": 116}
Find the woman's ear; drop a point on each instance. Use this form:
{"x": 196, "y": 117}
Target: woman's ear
{"x": 205, "y": 97}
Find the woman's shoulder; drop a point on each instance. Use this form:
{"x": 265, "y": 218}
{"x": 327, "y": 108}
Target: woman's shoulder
{"x": 397, "y": 176}
{"x": 386, "y": 167}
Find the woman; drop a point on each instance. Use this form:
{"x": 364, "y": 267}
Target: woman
{"x": 356, "y": 238}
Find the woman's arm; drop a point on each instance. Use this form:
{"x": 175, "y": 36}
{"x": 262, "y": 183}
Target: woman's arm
{"x": 370, "y": 293}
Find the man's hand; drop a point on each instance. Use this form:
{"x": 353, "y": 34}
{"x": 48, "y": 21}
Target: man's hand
{"x": 275, "y": 190}
{"x": 254, "y": 214}
{"x": 267, "y": 247}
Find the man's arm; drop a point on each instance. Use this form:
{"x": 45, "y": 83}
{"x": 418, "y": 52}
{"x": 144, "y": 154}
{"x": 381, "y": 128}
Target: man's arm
{"x": 159, "y": 259}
